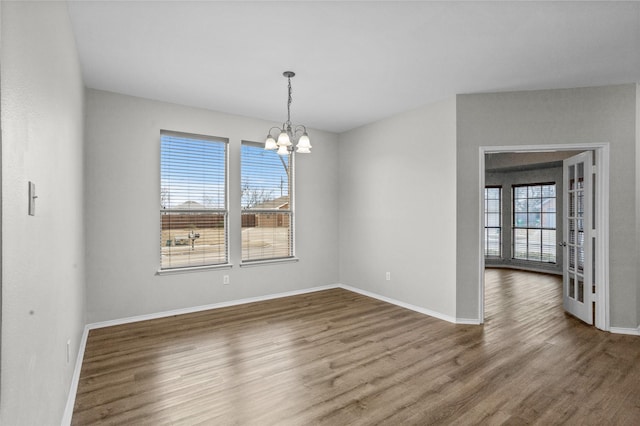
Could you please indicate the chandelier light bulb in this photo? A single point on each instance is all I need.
(283, 139)
(283, 150)
(270, 143)
(304, 144)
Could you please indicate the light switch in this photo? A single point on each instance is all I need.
(32, 199)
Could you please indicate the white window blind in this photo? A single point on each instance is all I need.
(193, 200)
(267, 203)
(534, 222)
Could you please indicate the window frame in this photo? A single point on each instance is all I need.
(541, 228)
(291, 257)
(499, 227)
(224, 211)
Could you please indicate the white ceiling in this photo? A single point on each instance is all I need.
(356, 62)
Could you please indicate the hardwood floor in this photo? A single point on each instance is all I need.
(335, 357)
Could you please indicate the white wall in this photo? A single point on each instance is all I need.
(568, 116)
(122, 208)
(43, 286)
(398, 207)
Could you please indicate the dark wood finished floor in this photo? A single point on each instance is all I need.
(335, 357)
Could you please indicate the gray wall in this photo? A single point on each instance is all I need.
(397, 204)
(506, 179)
(569, 116)
(122, 208)
(43, 288)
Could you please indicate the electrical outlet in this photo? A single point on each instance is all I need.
(388, 276)
(225, 280)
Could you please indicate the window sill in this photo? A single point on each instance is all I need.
(192, 269)
(534, 262)
(268, 262)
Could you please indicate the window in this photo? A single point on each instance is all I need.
(492, 221)
(193, 200)
(534, 222)
(267, 203)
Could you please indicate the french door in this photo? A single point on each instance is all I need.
(578, 244)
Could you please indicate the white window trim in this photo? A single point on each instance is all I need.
(292, 214)
(227, 264)
(189, 269)
(266, 262)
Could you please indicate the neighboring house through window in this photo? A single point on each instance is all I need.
(534, 222)
(267, 203)
(493, 221)
(193, 200)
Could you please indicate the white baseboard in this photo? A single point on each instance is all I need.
(468, 321)
(200, 308)
(75, 379)
(622, 330)
(415, 308)
(193, 309)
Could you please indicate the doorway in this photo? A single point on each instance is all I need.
(600, 210)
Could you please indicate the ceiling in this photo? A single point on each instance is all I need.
(356, 62)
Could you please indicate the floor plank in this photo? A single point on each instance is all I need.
(336, 357)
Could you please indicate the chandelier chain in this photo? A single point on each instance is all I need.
(289, 103)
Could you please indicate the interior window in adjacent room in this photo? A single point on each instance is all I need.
(493, 221)
(534, 222)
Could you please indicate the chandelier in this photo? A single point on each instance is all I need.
(289, 133)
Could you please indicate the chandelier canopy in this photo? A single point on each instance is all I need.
(289, 134)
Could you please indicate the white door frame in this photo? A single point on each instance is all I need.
(601, 152)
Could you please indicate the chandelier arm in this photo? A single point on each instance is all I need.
(271, 129)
